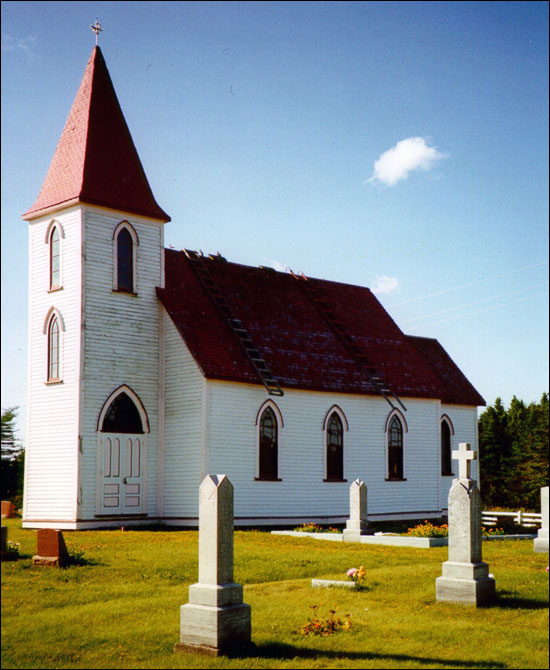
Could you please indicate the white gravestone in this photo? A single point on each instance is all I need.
(465, 578)
(215, 621)
(541, 541)
(356, 525)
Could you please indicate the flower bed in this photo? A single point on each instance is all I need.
(315, 528)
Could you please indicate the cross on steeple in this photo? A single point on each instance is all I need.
(464, 455)
(96, 27)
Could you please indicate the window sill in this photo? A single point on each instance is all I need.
(52, 382)
(267, 479)
(53, 289)
(396, 479)
(119, 290)
(334, 480)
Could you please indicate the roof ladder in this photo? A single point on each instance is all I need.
(347, 340)
(199, 265)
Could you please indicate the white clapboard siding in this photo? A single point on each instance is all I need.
(184, 386)
(121, 343)
(464, 420)
(233, 409)
(51, 449)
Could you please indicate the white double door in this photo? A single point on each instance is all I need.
(121, 473)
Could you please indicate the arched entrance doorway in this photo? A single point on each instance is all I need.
(122, 432)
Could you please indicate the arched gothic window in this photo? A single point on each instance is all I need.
(55, 258)
(122, 417)
(53, 350)
(335, 448)
(125, 261)
(268, 445)
(395, 449)
(446, 467)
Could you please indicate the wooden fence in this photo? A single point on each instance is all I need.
(528, 519)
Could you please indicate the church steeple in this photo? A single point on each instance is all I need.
(95, 161)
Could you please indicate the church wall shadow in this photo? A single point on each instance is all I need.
(279, 650)
(510, 600)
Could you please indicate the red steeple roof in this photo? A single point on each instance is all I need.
(95, 161)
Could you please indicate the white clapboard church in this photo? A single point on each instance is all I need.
(151, 367)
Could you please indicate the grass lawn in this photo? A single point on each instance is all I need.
(120, 607)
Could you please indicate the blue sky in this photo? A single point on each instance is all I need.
(397, 145)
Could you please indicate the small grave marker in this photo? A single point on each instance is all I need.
(51, 548)
(357, 523)
(541, 541)
(5, 553)
(8, 509)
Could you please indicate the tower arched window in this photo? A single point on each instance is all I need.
(55, 258)
(446, 463)
(125, 261)
(335, 448)
(268, 465)
(54, 342)
(395, 449)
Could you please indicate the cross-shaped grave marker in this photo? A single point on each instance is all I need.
(464, 455)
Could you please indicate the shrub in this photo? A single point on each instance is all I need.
(492, 531)
(315, 528)
(427, 529)
(324, 626)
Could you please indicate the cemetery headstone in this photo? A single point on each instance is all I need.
(541, 541)
(357, 523)
(7, 509)
(51, 549)
(215, 621)
(5, 553)
(465, 577)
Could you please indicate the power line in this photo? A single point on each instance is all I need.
(473, 283)
(477, 302)
(478, 311)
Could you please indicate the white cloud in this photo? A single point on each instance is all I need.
(384, 284)
(406, 156)
(25, 44)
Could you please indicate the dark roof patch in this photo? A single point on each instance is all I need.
(299, 346)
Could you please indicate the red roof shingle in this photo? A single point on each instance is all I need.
(95, 161)
(296, 341)
(453, 382)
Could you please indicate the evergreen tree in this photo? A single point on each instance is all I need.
(513, 453)
(534, 465)
(12, 461)
(516, 427)
(493, 453)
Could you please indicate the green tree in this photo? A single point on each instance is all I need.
(13, 458)
(533, 468)
(494, 449)
(513, 453)
(516, 428)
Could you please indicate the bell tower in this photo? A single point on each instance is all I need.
(96, 257)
